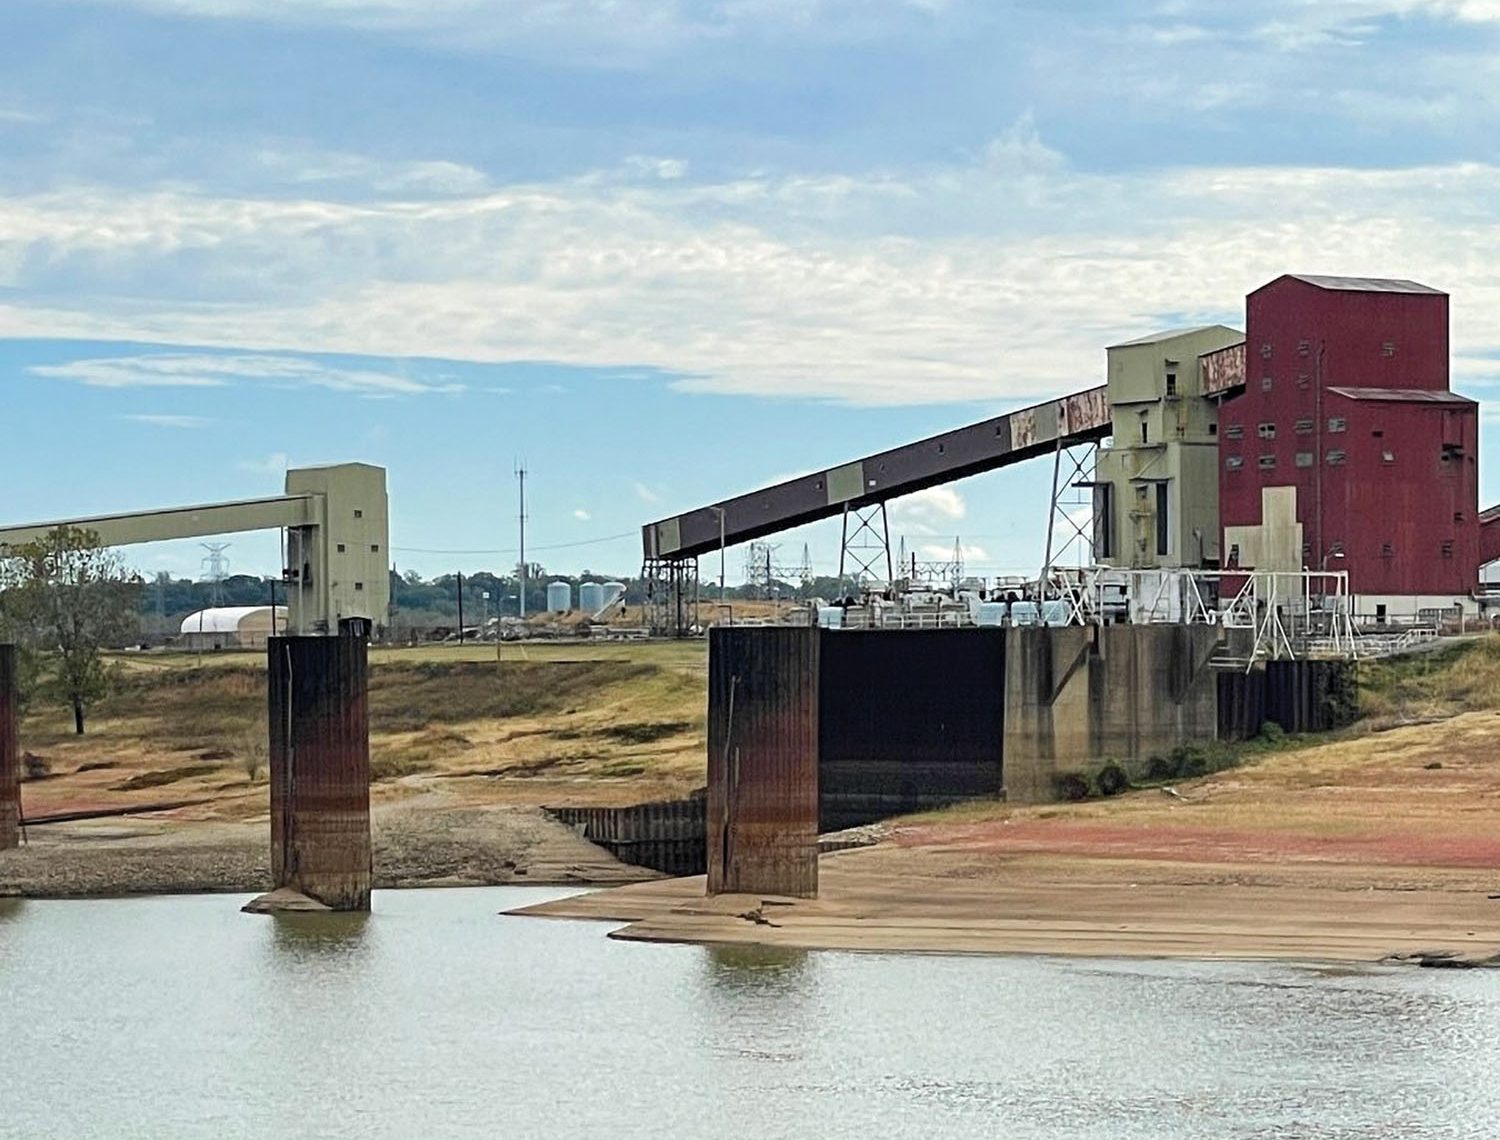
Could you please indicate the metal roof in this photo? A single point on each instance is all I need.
(1173, 334)
(1489, 515)
(226, 619)
(1402, 395)
(1367, 284)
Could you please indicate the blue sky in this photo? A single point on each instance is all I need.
(670, 250)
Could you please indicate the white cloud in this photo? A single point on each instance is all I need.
(167, 420)
(614, 33)
(646, 494)
(934, 511)
(274, 464)
(582, 515)
(936, 552)
(1001, 279)
(202, 370)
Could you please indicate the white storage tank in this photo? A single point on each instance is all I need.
(591, 597)
(830, 617)
(559, 597)
(613, 592)
(1055, 612)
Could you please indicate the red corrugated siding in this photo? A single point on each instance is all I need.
(1304, 340)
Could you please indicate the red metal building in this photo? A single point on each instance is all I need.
(1346, 400)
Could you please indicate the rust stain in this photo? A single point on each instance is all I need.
(10, 752)
(320, 768)
(763, 762)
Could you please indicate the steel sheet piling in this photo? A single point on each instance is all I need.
(763, 761)
(320, 768)
(10, 752)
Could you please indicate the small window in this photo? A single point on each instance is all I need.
(1234, 431)
(1304, 380)
(940, 449)
(1304, 347)
(1386, 550)
(1265, 351)
(1388, 348)
(341, 548)
(359, 585)
(1265, 383)
(1336, 457)
(1213, 429)
(1380, 612)
(1266, 431)
(374, 548)
(1268, 461)
(1234, 552)
(1337, 423)
(1458, 516)
(1448, 549)
(1335, 549)
(1145, 431)
(1378, 433)
(359, 514)
(1306, 553)
(1171, 383)
(1234, 462)
(1303, 427)
(1387, 456)
(1304, 459)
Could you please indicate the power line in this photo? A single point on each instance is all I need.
(513, 550)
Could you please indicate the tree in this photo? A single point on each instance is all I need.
(65, 597)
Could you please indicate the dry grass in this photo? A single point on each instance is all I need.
(553, 726)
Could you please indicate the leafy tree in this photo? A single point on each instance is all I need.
(66, 597)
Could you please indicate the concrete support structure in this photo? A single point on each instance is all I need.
(10, 752)
(1078, 697)
(320, 768)
(763, 761)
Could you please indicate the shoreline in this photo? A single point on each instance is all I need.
(1084, 908)
(414, 846)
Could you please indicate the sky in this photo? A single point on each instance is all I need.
(666, 251)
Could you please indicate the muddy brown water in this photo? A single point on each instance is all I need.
(435, 1016)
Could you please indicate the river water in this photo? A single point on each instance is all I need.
(179, 1016)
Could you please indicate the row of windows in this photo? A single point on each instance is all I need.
(1304, 348)
(1335, 457)
(1336, 550)
(1301, 427)
(374, 548)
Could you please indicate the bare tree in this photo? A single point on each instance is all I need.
(66, 598)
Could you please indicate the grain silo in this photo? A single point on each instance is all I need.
(559, 597)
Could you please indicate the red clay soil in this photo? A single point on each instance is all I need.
(1178, 842)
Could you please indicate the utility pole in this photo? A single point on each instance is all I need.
(460, 609)
(720, 512)
(521, 479)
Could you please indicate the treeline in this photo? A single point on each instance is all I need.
(418, 602)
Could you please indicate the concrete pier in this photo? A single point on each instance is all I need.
(763, 762)
(10, 752)
(320, 768)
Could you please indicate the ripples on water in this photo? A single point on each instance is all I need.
(435, 1017)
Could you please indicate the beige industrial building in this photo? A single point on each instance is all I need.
(1156, 496)
(232, 627)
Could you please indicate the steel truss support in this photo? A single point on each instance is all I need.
(865, 555)
(671, 596)
(1070, 529)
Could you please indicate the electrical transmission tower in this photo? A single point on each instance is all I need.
(765, 572)
(215, 570)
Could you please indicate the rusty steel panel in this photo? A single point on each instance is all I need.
(971, 450)
(320, 768)
(763, 761)
(908, 720)
(1084, 411)
(10, 751)
(1224, 370)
